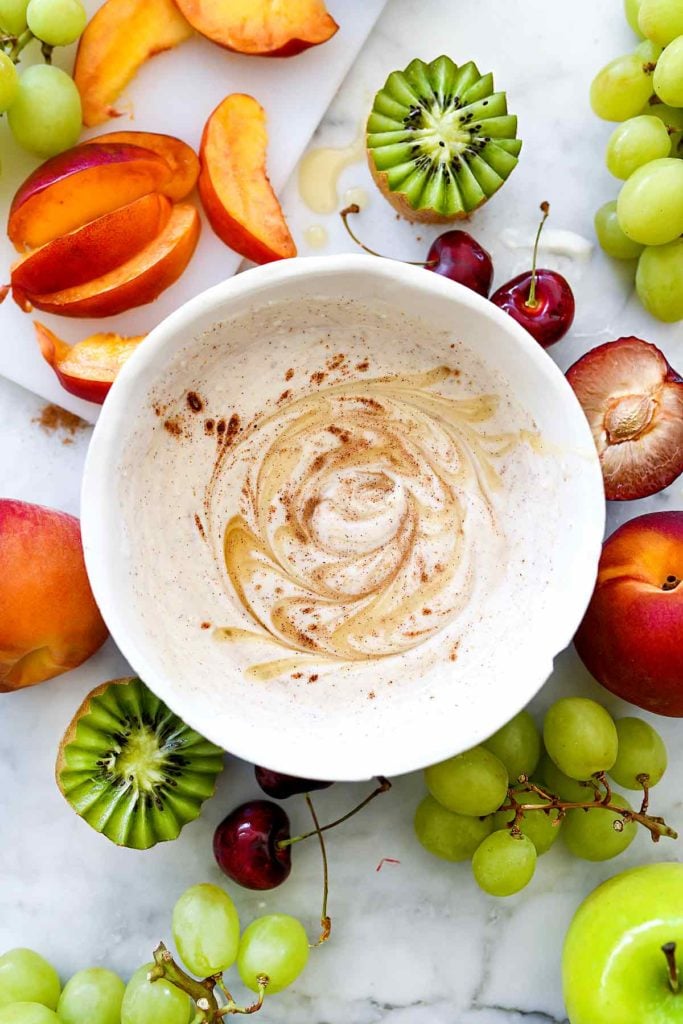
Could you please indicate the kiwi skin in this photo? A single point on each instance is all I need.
(132, 816)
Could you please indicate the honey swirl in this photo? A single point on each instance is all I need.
(366, 509)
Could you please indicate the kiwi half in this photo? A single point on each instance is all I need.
(440, 141)
(132, 769)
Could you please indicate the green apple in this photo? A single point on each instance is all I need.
(613, 967)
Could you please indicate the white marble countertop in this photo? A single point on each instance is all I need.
(415, 943)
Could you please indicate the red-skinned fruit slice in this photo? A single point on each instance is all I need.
(134, 283)
(77, 186)
(94, 249)
(633, 401)
(88, 368)
(261, 28)
(180, 157)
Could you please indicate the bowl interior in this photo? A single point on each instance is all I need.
(152, 542)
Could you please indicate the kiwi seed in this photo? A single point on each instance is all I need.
(132, 769)
(440, 141)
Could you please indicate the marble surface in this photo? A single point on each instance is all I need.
(415, 942)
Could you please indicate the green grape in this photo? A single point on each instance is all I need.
(621, 89)
(612, 239)
(9, 82)
(27, 1013)
(449, 835)
(473, 783)
(668, 76)
(659, 281)
(26, 977)
(631, 10)
(46, 114)
(275, 946)
(56, 22)
(580, 737)
(153, 1002)
(650, 203)
(504, 863)
(93, 995)
(649, 52)
(558, 784)
(636, 142)
(517, 745)
(591, 834)
(13, 16)
(537, 825)
(661, 20)
(672, 117)
(641, 751)
(206, 930)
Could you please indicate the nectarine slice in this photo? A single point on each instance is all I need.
(633, 401)
(77, 186)
(92, 250)
(121, 36)
(180, 157)
(238, 198)
(136, 282)
(266, 28)
(88, 368)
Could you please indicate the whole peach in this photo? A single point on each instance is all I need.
(631, 637)
(49, 622)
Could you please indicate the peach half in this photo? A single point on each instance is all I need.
(49, 622)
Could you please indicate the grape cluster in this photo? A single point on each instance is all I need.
(505, 803)
(270, 954)
(644, 91)
(42, 103)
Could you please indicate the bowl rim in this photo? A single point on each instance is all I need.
(98, 481)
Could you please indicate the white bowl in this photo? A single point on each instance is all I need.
(407, 727)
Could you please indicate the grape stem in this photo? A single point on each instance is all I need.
(203, 993)
(325, 919)
(18, 44)
(355, 208)
(531, 302)
(383, 787)
(657, 827)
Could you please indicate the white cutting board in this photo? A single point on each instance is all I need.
(175, 93)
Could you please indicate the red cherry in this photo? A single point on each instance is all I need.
(281, 786)
(459, 257)
(539, 300)
(245, 845)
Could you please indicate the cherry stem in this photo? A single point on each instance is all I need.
(355, 208)
(325, 920)
(669, 951)
(657, 827)
(202, 992)
(531, 301)
(384, 787)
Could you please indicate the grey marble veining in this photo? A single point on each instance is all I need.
(416, 942)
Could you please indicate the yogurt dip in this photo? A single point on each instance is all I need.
(337, 503)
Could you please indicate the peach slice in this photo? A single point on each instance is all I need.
(265, 28)
(49, 622)
(238, 198)
(633, 401)
(93, 250)
(180, 157)
(77, 186)
(134, 283)
(88, 368)
(121, 36)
